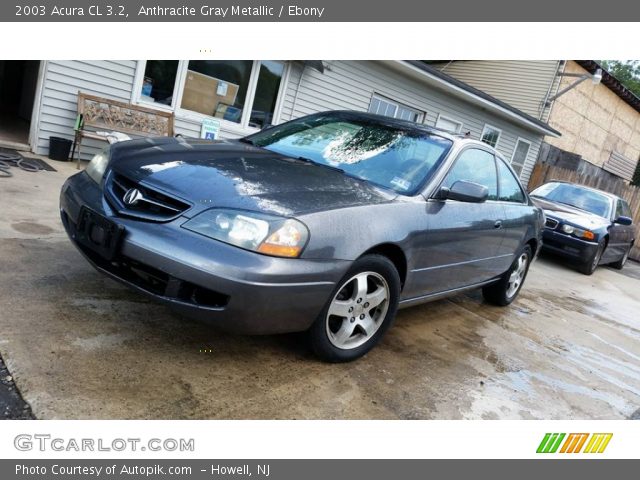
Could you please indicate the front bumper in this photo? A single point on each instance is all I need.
(568, 246)
(234, 289)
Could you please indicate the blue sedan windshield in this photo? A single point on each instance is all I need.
(401, 159)
(575, 196)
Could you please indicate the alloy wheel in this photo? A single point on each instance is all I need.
(358, 310)
(596, 258)
(517, 276)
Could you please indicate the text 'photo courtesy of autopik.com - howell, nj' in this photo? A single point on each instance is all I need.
(414, 253)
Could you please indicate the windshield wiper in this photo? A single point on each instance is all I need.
(569, 205)
(313, 162)
(246, 140)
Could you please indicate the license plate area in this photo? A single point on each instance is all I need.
(98, 233)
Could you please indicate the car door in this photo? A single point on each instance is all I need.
(629, 229)
(620, 236)
(517, 215)
(463, 238)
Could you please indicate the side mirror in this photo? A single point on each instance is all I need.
(622, 220)
(464, 191)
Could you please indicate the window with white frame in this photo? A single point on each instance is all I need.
(491, 135)
(520, 154)
(448, 124)
(244, 92)
(384, 106)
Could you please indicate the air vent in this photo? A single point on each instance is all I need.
(551, 223)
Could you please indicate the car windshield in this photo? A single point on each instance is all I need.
(575, 196)
(394, 157)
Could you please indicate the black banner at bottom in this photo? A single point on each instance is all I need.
(129, 469)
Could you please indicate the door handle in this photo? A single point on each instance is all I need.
(498, 224)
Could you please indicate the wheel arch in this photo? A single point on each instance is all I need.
(395, 254)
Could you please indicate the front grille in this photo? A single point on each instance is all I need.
(150, 204)
(551, 223)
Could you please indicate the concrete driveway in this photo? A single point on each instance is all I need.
(81, 346)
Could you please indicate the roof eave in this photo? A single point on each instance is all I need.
(485, 100)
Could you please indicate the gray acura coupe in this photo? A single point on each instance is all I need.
(328, 223)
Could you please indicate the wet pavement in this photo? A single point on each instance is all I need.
(79, 345)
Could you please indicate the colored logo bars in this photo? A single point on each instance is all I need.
(574, 443)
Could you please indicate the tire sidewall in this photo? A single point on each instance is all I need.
(588, 268)
(621, 263)
(496, 293)
(320, 342)
(526, 249)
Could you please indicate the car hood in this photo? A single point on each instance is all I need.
(233, 174)
(568, 214)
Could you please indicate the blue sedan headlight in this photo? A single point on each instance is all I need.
(578, 232)
(268, 234)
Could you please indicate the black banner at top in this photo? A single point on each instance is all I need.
(318, 11)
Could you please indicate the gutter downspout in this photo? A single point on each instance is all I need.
(562, 64)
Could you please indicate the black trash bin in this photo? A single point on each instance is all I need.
(59, 148)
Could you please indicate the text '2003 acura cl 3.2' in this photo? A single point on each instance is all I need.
(327, 223)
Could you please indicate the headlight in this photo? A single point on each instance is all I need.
(268, 234)
(578, 232)
(98, 165)
(568, 229)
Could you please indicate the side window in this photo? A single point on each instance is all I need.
(476, 166)
(510, 190)
(618, 208)
(622, 208)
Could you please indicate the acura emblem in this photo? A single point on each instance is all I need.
(132, 196)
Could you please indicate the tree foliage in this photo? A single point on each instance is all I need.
(626, 71)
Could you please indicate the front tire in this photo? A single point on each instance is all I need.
(592, 263)
(359, 311)
(620, 263)
(505, 290)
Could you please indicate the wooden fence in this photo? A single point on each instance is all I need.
(544, 172)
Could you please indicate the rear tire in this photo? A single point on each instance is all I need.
(592, 263)
(505, 290)
(620, 263)
(360, 310)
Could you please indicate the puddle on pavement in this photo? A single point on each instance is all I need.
(32, 228)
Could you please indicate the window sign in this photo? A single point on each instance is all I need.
(210, 129)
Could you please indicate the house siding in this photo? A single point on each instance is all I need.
(351, 84)
(524, 84)
(59, 100)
